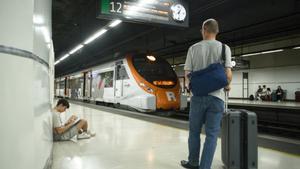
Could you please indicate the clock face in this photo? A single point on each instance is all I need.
(233, 63)
(179, 12)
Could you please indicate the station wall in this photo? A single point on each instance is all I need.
(287, 77)
(272, 70)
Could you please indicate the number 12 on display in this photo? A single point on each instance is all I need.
(116, 7)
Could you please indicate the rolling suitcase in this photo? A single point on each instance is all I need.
(239, 139)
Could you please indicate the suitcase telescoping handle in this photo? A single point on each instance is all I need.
(226, 101)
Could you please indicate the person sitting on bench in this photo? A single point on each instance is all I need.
(258, 92)
(279, 94)
(268, 96)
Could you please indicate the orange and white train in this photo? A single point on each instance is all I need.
(145, 83)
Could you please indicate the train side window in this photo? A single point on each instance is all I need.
(121, 73)
(108, 77)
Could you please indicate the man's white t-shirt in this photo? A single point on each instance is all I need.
(58, 119)
(204, 53)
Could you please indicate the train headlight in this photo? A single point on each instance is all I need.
(151, 58)
(147, 88)
(142, 84)
(150, 90)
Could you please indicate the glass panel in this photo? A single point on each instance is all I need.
(158, 70)
(108, 78)
(121, 73)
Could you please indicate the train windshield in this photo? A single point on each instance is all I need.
(155, 70)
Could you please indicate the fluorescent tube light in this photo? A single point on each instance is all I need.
(76, 49)
(261, 53)
(87, 41)
(56, 62)
(298, 47)
(64, 57)
(115, 23)
(95, 36)
(272, 51)
(251, 54)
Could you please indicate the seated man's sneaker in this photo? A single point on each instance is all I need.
(186, 164)
(91, 133)
(74, 139)
(83, 135)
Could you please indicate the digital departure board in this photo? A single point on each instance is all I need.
(168, 12)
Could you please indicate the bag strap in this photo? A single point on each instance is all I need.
(223, 53)
(226, 101)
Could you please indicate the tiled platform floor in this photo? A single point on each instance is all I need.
(125, 143)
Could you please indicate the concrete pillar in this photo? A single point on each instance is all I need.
(26, 89)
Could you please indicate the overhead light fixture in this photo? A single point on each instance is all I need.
(64, 57)
(95, 36)
(298, 47)
(151, 58)
(87, 41)
(76, 49)
(261, 53)
(56, 62)
(272, 51)
(115, 23)
(251, 54)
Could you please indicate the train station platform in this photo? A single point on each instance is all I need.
(279, 118)
(267, 104)
(124, 142)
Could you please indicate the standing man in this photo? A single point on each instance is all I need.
(206, 110)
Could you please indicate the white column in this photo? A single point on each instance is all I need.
(26, 77)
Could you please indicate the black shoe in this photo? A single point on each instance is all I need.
(186, 164)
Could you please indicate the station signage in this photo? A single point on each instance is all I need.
(166, 12)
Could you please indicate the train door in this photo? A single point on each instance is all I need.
(122, 82)
(55, 87)
(66, 94)
(119, 84)
(81, 87)
(87, 84)
(62, 87)
(245, 85)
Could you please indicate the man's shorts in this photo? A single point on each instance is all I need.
(67, 135)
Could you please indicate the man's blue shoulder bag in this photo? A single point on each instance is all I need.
(212, 78)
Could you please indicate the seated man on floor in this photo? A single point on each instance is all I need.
(72, 129)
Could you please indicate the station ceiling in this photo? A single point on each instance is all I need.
(241, 22)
